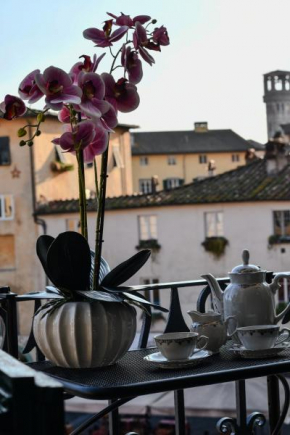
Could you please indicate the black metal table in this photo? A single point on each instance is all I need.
(133, 376)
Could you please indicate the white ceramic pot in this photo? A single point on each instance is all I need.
(84, 334)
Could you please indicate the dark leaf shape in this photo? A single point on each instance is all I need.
(100, 296)
(142, 300)
(42, 246)
(126, 270)
(134, 297)
(69, 261)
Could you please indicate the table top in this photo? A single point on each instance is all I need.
(133, 376)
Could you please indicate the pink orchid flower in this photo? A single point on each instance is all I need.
(87, 65)
(105, 37)
(121, 94)
(125, 20)
(92, 139)
(78, 139)
(132, 65)
(141, 41)
(58, 88)
(97, 146)
(28, 89)
(160, 36)
(93, 88)
(64, 115)
(109, 119)
(12, 107)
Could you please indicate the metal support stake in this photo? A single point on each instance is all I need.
(273, 402)
(241, 407)
(179, 412)
(114, 421)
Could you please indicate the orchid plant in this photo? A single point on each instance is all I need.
(88, 104)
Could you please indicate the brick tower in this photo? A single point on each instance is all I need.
(277, 99)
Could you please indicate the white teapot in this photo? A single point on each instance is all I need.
(248, 297)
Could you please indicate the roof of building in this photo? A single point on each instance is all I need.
(256, 145)
(246, 184)
(176, 142)
(51, 114)
(277, 73)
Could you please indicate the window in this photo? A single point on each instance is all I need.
(147, 227)
(281, 223)
(170, 183)
(6, 207)
(118, 161)
(144, 161)
(5, 158)
(72, 225)
(171, 160)
(235, 158)
(145, 185)
(203, 158)
(7, 252)
(214, 224)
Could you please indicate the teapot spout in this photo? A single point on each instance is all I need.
(217, 293)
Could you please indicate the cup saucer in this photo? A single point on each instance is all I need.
(259, 353)
(159, 360)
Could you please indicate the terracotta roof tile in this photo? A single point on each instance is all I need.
(245, 184)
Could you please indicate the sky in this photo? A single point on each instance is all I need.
(211, 71)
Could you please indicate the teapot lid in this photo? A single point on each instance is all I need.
(246, 267)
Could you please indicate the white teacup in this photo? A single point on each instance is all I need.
(259, 337)
(179, 345)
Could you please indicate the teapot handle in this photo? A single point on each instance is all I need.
(274, 287)
(275, 284)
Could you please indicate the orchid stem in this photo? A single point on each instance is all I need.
(95, 283)
(101, 214)
(82, 194)
(82, 189)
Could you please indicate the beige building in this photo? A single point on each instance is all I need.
(247, 208)
(38, 175)
(164, 160)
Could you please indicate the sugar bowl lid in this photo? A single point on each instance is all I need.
(246, 267)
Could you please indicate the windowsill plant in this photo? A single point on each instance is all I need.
(215, 245)
(88, 104)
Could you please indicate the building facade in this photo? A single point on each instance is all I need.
(165, 160)
(249, 208)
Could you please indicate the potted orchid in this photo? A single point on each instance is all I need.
(90, 320)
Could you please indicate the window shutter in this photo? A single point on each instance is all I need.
(165, 184)
(181, 181)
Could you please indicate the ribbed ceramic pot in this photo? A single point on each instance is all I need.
(86, 334)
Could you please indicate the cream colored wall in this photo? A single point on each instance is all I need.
(187, 167)
(55, 186)
(180, 233)
(27, 275)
